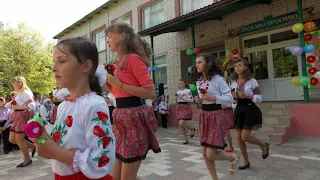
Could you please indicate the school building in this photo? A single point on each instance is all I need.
(259, 29)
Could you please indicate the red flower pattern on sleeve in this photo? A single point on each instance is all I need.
(256, 90)
(69, 121)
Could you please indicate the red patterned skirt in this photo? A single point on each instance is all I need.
(229, 118)
(54, 114)
(184, 112)
(79, 176)
(135, 129)
(212, 127)
(19, 120)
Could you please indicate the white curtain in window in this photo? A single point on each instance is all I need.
(100, 41)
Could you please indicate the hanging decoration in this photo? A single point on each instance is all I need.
(155, 68)
(314, 81)
(308, 49)
(307, 37)
(297, 51)
(189, 52)
(295, 81)
(230, 57)
(297, 28)
(311, 59)
(304, 80)
(196, 51)
(312, 70)
(235, 51)
(309, 26)
(192, 87)
(190, 69)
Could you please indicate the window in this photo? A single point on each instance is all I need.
(161, 74)
(100, 40)
(126, 20)
(192, 5)
(153, 15)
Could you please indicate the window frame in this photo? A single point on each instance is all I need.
(143, 26)
(164, 65)
(192, 6)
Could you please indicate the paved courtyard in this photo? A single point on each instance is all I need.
(184, 162)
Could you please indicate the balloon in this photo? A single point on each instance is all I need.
(304, 81)
(308, 49)
(235, 51)
(190, 69)
(189, 52)
(311, 59)
(196, 51)
(155, 68)
(230, 57)
(297, 27)
(295, 81)
(193, 88)
(307, 37)
(313, 88)
(315, 41)
(314, 81)
(312, 70)
(296, 51)
(309, 26)
(149, 69)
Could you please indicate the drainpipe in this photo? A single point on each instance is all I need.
(152, 58)
(303, 55)
(193, 39)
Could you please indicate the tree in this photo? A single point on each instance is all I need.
(24, 52)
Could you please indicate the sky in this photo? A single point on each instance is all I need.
(49, 17)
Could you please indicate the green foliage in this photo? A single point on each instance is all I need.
(23, 52)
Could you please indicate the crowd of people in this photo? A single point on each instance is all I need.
(106, 137)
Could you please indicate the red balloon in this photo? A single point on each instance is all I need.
(196, 51)
(311, 59)
(307, 37)
(235, 51)
(314, 81)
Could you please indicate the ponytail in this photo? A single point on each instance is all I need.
(94, 85)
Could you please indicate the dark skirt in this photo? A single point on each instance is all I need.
(19, 120)
(247, 115)
(184, 111)
(135, 129)
(213, 127)
(111, 108)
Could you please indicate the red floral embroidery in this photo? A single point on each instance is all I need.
(311, 59)
(233, 90)
(105, 142)
(103, 116)
(14, 102)
(314, 81)
(98, 131)
(57, 137)
(312, 70)
(103, 161)
(203, 91)
(69, 121)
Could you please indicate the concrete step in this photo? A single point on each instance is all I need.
(275, 105)
(271, 138)
(280, 120)
(276, 112)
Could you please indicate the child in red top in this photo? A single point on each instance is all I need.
(135, 124)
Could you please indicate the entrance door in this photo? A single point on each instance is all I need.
(273, 65)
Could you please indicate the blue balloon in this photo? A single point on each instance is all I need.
(155, 68)
(190, 69)
(308, 49)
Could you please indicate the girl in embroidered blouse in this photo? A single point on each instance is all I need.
(135, 124)
(184, 111)
(23, 105)
(83, 145)
(59, 95)
(213, 92)
(247, 116)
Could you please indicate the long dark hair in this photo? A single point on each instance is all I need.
(132, 42)
(84, 49)
(247, 73)
(213, 67)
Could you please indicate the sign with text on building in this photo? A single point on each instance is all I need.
(268, 23)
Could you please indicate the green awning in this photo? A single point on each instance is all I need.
(212, 12)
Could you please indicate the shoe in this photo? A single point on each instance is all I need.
(194, 132)
(186, 142)
(264, 156)
(33, 152)
(230, 150)
(244, 167)
(24, 165)
(5, 152)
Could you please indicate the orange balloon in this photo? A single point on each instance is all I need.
(309, 26)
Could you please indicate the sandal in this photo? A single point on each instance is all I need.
(186, 142)
(233, 166)
(194, 132)
(230, 150)
(264, 156)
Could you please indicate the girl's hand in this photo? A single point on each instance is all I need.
(208, 97)
(242, 95)
(197, 99)
(114, 81)
(224, 106)
(48, 149)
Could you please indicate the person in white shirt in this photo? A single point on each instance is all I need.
(46, 110)
(111, 101)
(59, 95)
(163, 108)
(213, 92)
